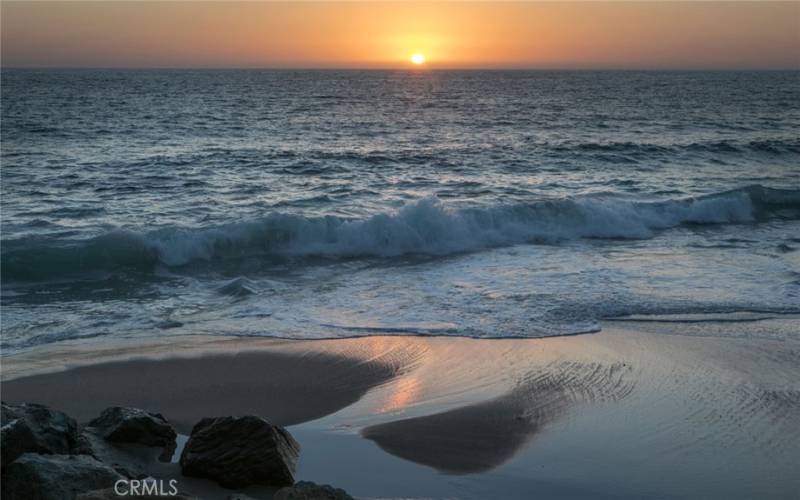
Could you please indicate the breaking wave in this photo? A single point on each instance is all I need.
(427, 227)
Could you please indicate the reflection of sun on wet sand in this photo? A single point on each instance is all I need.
(620, 405)
(481, 436)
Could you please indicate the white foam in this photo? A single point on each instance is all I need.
(430, 227)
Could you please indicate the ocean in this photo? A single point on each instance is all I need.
(324, 204)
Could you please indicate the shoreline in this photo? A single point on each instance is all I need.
(571, 416)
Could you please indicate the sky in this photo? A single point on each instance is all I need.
(573, 35)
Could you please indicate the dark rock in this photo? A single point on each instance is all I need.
(240, 451)
(36, 429)
(55, 477)
(306, 490)
(239, 496)
(132, 425)
(91, 443)
(16, 437)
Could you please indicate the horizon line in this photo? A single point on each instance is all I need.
(397, 68)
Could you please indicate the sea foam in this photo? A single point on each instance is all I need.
(425, 227)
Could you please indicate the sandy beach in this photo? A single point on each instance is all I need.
(623, 413)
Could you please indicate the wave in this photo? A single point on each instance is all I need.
(427, 227)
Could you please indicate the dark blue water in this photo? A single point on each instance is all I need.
(336, 203)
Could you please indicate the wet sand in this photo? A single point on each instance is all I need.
(284, 388)
(624, 413)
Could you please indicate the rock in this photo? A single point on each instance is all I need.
(238, 496)
(55, 477)
(92, 443)
(106, 494)
(36, 429)
(240, 451)
(132, 425)
(16, 437)
(306, 490)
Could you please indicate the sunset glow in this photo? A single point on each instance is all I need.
(385, 34)
(418, 59)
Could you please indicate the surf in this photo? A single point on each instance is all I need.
(427, 227)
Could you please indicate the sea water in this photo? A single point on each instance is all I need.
(318, 204)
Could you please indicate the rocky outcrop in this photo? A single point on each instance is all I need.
(91, 442)
(47, 457)
(306, 490)
(36, 429)
(240, 451)
(55, 477)
(132, 425)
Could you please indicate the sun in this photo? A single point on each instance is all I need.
(418, 59)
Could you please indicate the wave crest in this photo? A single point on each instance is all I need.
(427, 227)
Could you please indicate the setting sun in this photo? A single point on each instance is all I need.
(418, 59)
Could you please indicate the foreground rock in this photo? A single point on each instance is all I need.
(36, 429)
(240, 451)
(306, 490)
(92, 443)
(132, 425)
(55, 477)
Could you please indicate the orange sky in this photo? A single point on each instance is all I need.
(369, 34)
